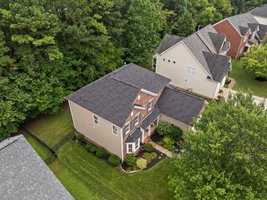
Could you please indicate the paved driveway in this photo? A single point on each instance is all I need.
(257, 100)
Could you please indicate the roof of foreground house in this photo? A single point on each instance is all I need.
(260, 11)
(24, 175)
(113, 95)
(243, 22)
(205, 40)
(179, 105)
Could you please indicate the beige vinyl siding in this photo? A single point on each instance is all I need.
(177, 123)
(177, 71)
(100, 134)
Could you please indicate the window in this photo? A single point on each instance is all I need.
(132, 113)
(127, 128)
(169, 60)
(174, 62)
(95, 119)
(191, 70)
(138, 97)
(136, 144)
(130, 148)
(149, 105)
(163, 59)
(114, 130)
(136, 120)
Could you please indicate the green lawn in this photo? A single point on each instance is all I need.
(87, 177)
(245, 81)
(52, 128)
(43, 152)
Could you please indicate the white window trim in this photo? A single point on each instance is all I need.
(191, 70)
(150, 101)
(138, 97)
(138, 118)
(133, 146)
(96, 120)
(112, 130)
(128, 124)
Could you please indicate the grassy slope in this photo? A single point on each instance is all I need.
(87, 177)
(43, 152)
(52, 129)
(246, 80)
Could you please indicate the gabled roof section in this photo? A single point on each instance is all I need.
(180, 106)
(242, 21)
(243, 30)
(260, 11)
(141, 78)
(168, 41)
(24, 175)
(263, 31)
(219, 65)
(112, 96)
(217, 40)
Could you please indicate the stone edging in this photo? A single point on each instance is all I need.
(130, 172)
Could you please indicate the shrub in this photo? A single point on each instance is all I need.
(168, 140)
(141, 163)
(148, 147)
(171, 148)
(93, 149)
(88, 147)
(101, 152)
(165, 128)
(114, 160)
(149, 157)
(79, 137)
(130, 160)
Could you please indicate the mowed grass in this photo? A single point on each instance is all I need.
(51, 129)
(245, 81)
(87, 177)
(43, 152)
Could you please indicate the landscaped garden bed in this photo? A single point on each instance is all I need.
(99, 152)
(146, 158)
(168, 136)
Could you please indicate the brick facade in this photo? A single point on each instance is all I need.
(232, 36)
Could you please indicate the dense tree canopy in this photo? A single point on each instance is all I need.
(226, 157)
(256, 61)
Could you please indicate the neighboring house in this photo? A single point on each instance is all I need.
(24, 175)
(122, 109)
(242, 31)
(196, 63)
(260, 14)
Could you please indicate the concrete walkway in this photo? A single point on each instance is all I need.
(161, 149)
(257, 100)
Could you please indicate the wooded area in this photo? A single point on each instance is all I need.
(51, 48)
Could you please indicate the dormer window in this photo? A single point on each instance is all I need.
(95, 119)
(136, 120)
(149, 105)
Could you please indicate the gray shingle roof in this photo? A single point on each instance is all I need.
(168, 41)
(25, 176)
(217, 40)
(260, 11)
(150, 118)
(179, 105)
(218, 64)
(134, 136)
(263, 31)
(242, 21)
(113, 95)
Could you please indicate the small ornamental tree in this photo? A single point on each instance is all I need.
(226, 157)
(256, 61)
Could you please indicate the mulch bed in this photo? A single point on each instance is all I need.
(160, 156)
